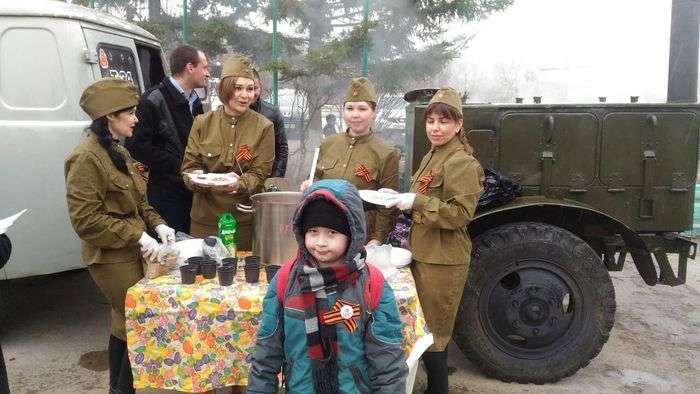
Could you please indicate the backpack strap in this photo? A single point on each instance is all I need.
(373, 287)
(283, 277)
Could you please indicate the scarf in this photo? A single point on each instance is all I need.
(322, 345)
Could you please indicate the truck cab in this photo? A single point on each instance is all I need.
(49, 52)
(600, 182)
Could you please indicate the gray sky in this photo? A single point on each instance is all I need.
(576, 50)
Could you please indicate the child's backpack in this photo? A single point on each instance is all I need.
(372, 293)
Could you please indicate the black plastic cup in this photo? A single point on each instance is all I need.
(232, 261)
(252, 261)
(271, 271)
(252, 274)
(197, 262)
(188, 273)
(208, 269)
(226, 273)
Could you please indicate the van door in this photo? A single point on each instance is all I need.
(113, 55)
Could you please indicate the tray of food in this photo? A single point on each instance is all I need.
(213, 179)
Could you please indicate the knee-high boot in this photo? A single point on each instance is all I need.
(436, 369)
(120, 378)
(115, 351)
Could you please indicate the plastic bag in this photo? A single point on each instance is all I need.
(214, 248)
(380, 257)
(163, 262)
(498, 190)
(399, 235)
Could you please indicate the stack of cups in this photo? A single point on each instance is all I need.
(227, 271)
(270, 271)
(197, 262)
(208, 268)
(252, 269)
(188, 273)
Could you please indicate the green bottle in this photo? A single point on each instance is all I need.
(227, 232)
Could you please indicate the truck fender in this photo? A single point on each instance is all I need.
(580, 219)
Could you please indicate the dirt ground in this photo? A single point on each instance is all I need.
(54, 336)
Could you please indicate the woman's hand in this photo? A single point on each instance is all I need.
(402, 201)
(305, 185)
(195, 186)
(165, 233)
(149, 246)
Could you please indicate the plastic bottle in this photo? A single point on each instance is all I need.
(227, 232)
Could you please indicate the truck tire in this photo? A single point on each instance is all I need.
(538, 304)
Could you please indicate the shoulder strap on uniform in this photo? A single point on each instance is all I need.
(283, 277)
(373, 287)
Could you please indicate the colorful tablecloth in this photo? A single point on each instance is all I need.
(199, 337)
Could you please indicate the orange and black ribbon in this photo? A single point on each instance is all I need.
(363, 173)
(244, 153)
(142, 170)
(425, 181)
(334, 316)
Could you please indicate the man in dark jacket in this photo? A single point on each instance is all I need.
(165, 113)
(279, 166)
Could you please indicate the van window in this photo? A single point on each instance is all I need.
(151, 65)
(117, 62)
(29, 58)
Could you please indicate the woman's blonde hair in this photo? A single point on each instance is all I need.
(446, 111)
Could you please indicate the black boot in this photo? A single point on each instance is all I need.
(120, 378)
(115, 351)
(436, 369)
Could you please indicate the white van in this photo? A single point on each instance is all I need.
(49, 52)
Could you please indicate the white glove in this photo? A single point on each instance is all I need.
(165, 233)
(386, 190)
(304, 185)
(149, 246)
(402, 201)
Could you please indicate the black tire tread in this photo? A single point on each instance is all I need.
(503, 236)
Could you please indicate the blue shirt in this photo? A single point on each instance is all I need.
(193, 95)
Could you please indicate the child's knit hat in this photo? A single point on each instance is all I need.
(323, 213)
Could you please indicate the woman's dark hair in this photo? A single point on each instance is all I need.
(99, 127)
(446, 111)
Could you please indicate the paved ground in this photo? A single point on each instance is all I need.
(54, 334)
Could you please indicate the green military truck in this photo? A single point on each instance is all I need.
(599, 182)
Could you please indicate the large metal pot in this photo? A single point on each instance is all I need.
(273, 239)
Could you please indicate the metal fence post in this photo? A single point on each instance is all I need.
(184, 21)
(365, 47)
(274, 53)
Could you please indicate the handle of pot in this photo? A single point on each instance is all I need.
(245, 208)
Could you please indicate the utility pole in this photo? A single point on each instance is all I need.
(365, 47)
(184, 21)
(274, 53)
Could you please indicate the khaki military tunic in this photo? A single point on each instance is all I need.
(109, 212)
(221, 143)
(448, 184)
(344, 157)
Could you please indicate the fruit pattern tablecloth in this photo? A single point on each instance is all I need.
(200, 337)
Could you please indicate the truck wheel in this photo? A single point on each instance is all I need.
(538, 305)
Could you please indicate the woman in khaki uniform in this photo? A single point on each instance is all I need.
(108, 209)
(442, 199)
(361, 158)
(232, 139)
